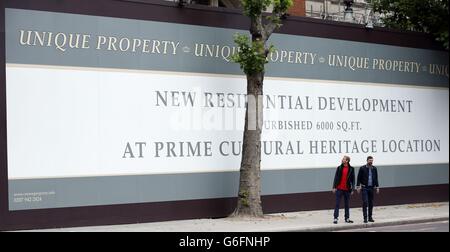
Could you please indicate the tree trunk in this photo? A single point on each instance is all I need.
(249, 197)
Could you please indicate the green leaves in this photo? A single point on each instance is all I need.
(281, 6)
(253, 8)
(251, 55)
(430, 16)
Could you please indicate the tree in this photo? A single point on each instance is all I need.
(252, 58)
(430, 16)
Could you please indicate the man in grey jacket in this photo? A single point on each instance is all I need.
(368, 182)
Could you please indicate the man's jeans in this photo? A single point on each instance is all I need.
(367, 198)
(339, 194)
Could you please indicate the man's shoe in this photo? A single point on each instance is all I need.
(335, 221)
(348, 221)
(371, 220)
(365, 221)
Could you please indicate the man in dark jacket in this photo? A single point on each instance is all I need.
(343, 185)
(368, 182)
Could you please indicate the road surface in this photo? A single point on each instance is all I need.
(440, 226)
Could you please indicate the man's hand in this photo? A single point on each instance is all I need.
(358, 189)
(334, 190)
(352, 192)
(378, 190)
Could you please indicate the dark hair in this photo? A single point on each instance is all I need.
(369, 157)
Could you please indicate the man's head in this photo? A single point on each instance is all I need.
(369, 160)
(345, 160)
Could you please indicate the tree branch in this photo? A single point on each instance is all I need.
(274, 23)
(257, 28)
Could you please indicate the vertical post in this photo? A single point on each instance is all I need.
(214, 3)
(348, 13)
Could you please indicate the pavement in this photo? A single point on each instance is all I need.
(316, 221)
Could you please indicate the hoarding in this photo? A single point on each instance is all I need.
(105, 111)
